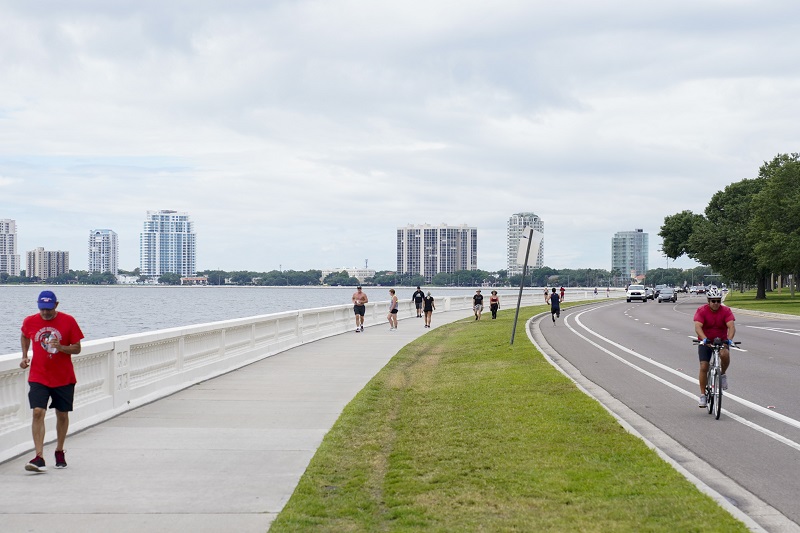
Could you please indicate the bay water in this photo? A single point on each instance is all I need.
(113, 310)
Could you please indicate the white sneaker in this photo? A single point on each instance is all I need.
(703, 402)
(723, 380)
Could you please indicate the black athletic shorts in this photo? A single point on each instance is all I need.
(61, 397)
(393, 311)
(704, 352)
(359, 309)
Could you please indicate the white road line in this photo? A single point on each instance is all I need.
(777, 330)
(777, 416)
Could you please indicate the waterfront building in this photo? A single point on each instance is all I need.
(516, 224)
(167, 245)
(103, 251)
(360, 274)
(428, 250)
(44, 264)
(629, 252)
(9, 256)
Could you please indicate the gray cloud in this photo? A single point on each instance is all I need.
(304, 133)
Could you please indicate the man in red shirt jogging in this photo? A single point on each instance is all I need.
(711, 321)
(55, 338)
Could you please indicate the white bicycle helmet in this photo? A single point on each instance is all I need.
(713, 292)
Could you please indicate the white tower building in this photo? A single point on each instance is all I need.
(167, 245)
(103, 251)
(428, 250)
(516, 224)
(9, 256)
(629, 253)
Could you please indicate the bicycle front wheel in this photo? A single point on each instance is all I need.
(717, 395)
(710, 391)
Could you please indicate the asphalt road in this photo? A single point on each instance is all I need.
(642, 356)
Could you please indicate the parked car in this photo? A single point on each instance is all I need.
(667, 295)
(636, 292)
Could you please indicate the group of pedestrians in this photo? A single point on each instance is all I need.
(424, 304)
(477, 304)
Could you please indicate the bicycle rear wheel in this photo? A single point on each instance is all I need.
(717, 394)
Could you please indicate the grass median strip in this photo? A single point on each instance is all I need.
(462, 432)
(776, 302)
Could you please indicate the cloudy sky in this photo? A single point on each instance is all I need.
(301, 134)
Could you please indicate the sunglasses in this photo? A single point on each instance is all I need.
(715, 301)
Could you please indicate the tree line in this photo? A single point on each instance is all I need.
(538, 277)
(749, 232)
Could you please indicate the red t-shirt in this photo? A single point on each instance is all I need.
(714, 324)
(51, 369)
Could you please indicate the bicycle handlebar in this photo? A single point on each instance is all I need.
(716, 342)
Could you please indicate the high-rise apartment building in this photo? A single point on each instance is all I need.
(629, 251)
(167, 244)
(9, 256)
(516, 224)
(103, 251)
(428, 250)
(44, 264)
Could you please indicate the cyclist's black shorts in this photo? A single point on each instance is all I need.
(704, 352)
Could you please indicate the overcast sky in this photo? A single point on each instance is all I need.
(302, 134)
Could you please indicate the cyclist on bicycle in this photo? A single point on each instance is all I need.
(710, 321)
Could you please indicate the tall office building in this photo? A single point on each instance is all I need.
(44, 264)
(103, 251)
(428, 250)
(167, 245)
(9, 257)
(516, 224)
(629, 251)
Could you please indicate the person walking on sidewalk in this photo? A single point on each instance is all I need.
(417, 297)
(55, 338)
(428, 307)
(392, 316)
(555, 305)
(359, 307)
(477, 304)
(494, 304)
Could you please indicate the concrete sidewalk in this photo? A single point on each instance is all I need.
(223, 455)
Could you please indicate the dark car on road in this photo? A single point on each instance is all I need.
(667, 295)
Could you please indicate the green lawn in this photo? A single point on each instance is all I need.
(461, 432)
(775, 303)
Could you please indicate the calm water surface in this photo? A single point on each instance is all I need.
(109, 311)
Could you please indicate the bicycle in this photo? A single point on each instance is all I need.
(714, 377)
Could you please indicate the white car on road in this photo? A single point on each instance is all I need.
(636, 292)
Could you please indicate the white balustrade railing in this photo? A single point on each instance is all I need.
(120, 373)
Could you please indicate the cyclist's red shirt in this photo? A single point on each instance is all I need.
(714, 324)
(51, 369)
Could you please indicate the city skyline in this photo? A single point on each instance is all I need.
(181, 228)
(314, 129)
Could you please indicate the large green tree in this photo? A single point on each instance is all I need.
(676, 231)
(723, 240)
(775, 225)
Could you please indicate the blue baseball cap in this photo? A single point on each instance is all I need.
(47, 300)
